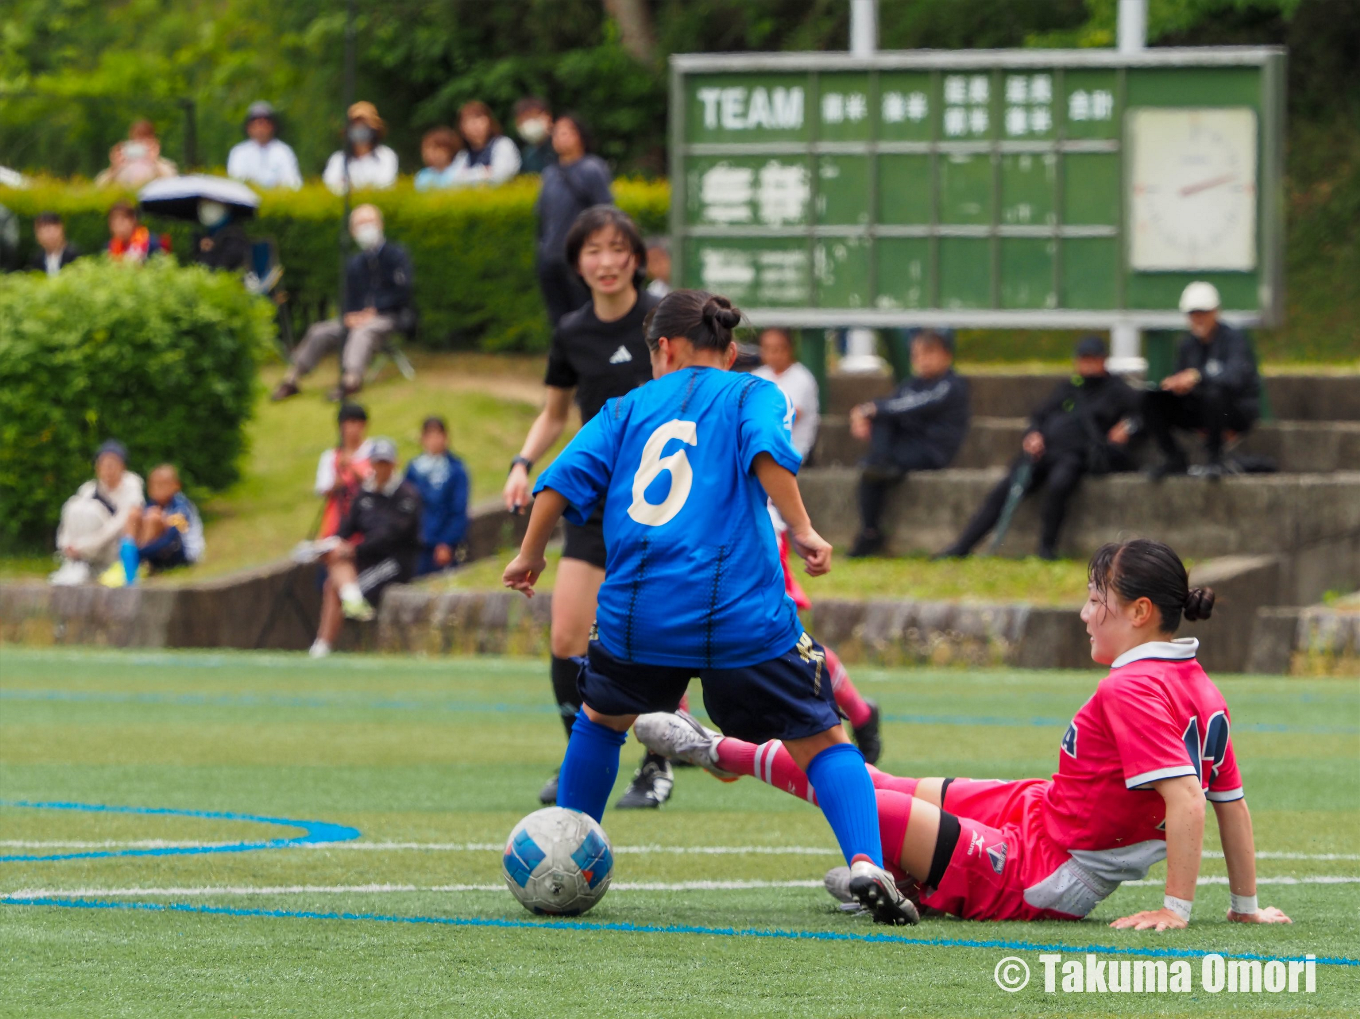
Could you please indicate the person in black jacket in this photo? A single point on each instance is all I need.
(1082, 428)
(223, 244)
(1215, 387)
(379, 545)
(919, 428)
(377, 303)
(54, 252)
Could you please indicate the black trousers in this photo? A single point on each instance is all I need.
(1058, 473)
(1205, 408)
(562, 289)
(891, 458)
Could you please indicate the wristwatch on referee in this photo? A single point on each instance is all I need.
(522, 461)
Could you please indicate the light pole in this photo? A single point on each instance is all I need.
(1126, 340)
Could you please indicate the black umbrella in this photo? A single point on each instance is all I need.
(178, 197)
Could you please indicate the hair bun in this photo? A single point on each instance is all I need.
(1199, 604)
(718, 311)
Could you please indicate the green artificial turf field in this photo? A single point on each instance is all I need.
(432, 762)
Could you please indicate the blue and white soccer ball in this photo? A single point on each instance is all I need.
(558, 862)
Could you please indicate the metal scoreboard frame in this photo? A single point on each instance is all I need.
(1192, 107)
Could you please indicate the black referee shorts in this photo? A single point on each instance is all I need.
(586, 542)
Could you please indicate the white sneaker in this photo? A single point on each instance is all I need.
(837, 882)
(319, 649)
(874, 889)
(71, 573)
(681, 736)
(357, 609)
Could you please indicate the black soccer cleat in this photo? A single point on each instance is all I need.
(651, 785)
(548, 794)
(874, 889)
(867, 736)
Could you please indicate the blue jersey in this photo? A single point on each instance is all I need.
(692, 574)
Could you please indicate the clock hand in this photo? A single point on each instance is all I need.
(1205, 185)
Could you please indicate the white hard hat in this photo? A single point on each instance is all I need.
(1199, 296)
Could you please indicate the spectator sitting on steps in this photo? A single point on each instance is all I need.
(380, 545)
(377, 303)
(95, 520)
(1082, 428)
(342, 471)
(54, 251)
(919, 428)
(168, 531)
(442, 482)
(1214, 388)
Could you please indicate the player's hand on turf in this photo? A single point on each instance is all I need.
(516, 490)
(814, 550)
(1151, 920)
(1267, 915)
(522, 574)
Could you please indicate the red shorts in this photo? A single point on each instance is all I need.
(1002, 852)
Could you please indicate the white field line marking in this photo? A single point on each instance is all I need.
(622, 886)
(496, 847)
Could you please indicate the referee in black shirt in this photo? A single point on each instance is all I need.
(598, 352)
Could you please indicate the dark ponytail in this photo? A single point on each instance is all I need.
(1149, 569)
(705, 319)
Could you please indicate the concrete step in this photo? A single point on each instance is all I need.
(1292, 397)
(1295, 446)
(1311, 519)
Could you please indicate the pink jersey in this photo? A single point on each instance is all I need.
(1156, 716)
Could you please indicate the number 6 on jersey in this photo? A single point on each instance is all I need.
(653, 464)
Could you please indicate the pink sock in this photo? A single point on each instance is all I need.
(882, 780)
(769, 762)
(894, 811)
(684, 701)
(847, 697)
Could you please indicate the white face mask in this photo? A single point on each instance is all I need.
(211, 213)
(368, 236)
(533, 130)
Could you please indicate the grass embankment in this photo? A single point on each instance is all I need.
(979, 579)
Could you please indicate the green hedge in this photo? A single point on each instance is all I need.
(473, 249)
(162, 357)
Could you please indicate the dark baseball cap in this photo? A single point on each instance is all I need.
(1092, 346)
(111, 446)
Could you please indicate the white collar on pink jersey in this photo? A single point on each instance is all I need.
(1178, 650)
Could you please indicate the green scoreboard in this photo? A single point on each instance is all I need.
(982, 188)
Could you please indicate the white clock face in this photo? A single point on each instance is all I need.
(1193, 198)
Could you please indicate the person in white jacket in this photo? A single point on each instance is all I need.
(263, 159)
(371, 163)
(95, 520)
(489, 157)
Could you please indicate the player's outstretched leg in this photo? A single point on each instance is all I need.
(847, 798)
(590, 766)
(863, 714)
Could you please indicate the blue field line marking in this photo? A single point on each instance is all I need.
(632, 928)
(312, 831)
(465, 707)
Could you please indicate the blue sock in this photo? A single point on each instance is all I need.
(846, 794)
(592, 764)
(127, 552)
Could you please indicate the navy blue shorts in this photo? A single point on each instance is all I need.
(165, 552)
(788, 697)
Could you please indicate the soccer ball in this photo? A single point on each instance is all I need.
(558, 862)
